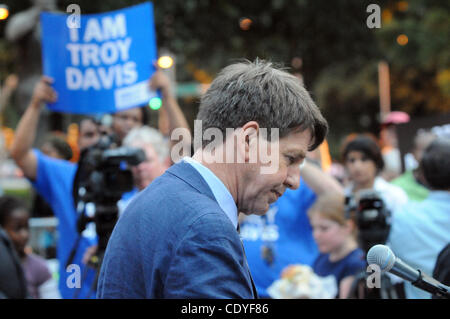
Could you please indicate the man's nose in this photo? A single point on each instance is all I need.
(293, 177)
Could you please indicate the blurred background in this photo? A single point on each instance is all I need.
(363, 78)
(328, 43)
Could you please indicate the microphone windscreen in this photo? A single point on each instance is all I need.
(382, 256)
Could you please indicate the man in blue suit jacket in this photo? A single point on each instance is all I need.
(179, 237)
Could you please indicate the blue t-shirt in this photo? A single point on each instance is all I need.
(54, 182)
(286, 231)
(350, 265)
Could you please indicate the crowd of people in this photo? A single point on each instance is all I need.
(298, 216)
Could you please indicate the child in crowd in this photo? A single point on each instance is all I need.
(14, 218)
(335, 235)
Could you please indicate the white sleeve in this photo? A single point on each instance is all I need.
(49, 290)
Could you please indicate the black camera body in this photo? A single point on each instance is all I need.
(373, 220)
(372, 217)
(102, 178)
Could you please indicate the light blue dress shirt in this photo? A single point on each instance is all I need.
(219, 190)
(419, 232)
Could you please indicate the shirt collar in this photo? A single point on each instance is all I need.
(220, 192)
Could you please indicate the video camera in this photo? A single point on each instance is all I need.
(101, 179)
(373, 219)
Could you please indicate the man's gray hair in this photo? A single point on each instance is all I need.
(257, 91)
(148, 135)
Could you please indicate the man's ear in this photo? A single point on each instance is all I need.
(249, 140)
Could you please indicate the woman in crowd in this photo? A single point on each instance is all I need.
(364, 162)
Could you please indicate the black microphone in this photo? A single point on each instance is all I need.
(383, 256)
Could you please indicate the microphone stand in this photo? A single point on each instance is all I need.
(431, 285)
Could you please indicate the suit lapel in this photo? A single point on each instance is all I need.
(255, 292)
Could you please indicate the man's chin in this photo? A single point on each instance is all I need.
(262, 210)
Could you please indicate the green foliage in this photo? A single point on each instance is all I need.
(339, 52)
(419, 70)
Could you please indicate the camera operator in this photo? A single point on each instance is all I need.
(157, 160)
(156, 149)
(53, 179)
(421, 230)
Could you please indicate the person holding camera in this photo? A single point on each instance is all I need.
(156, 150)
(157, 159)
(364, 162)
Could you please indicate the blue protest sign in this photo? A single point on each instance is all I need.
(103, 63)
